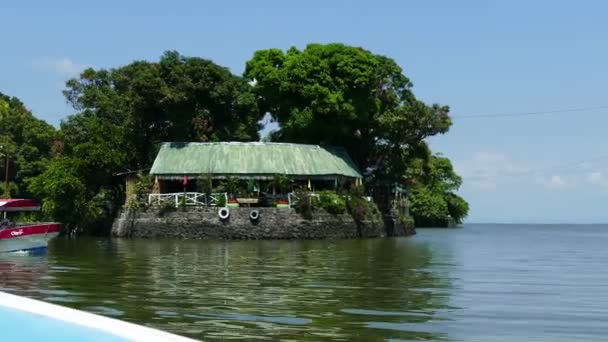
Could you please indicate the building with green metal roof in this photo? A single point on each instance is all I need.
(252, 160)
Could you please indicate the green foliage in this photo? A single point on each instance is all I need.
(143, 186)
(137, 200)
(27, 141)
(182, 203)
(428, 208)
(28, 217)
(331, 202)
(361, 209)
(457, 207)
(281, 183)
(342, 95)
(304, 204)
(407, 221)
(325, 94)
(175, 99)
(65, 195)
(434, 182)
(232, 185)
(123, 115)
(221, 202)
(251, 188)
(205, 184)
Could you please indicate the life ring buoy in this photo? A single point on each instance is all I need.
(254, 215)
(223, 213)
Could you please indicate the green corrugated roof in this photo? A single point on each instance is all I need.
(254, 159)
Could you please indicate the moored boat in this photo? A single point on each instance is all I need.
(24, 236)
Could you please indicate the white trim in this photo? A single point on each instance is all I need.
(112, 326)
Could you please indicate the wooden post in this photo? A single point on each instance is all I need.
(6, 189)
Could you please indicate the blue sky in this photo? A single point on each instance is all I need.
(479, 57)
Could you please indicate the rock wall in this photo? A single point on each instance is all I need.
(396, 226)
(273, 223)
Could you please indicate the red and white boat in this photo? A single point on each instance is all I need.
(24, 236)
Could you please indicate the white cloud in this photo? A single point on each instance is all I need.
(485, 170)
(598, 178)
(556, 182)
(60, 66)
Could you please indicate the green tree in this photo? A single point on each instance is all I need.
(428, 208)
(457, 207)
(26, 140)
(176, 99)
(341, 95)
(123, 115)
(433, 198)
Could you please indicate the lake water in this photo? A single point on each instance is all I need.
(477, 283)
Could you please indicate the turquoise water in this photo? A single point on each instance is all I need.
(478, 283)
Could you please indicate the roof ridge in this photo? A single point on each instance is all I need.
(166, 143)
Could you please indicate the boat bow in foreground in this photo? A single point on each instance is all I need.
(24, 319)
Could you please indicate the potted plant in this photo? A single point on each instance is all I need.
(282, 203)
(232, 203)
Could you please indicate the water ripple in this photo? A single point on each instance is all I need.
(479, 283)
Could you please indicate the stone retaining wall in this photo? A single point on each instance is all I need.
(273, 223)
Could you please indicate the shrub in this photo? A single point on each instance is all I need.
(182, 203)
(232, 186)
(362, 209)
(136, 200)
(304, 205)
(357, 208)
(457, 207)
(428, 209)
(221, 202)
(331, 202)
(407, 221)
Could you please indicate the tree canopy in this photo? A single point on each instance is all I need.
(329, 94)
(123, 115)
(341, 95)
(178, 98)
(28, 142)
(433, 192)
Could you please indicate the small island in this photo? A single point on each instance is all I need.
(368, 169)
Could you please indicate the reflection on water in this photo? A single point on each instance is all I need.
(270, 290)
(481, 283)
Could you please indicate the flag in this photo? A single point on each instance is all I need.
(185, 181)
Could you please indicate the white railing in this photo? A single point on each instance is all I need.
(187, 198)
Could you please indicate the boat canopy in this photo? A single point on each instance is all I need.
(18, 204)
